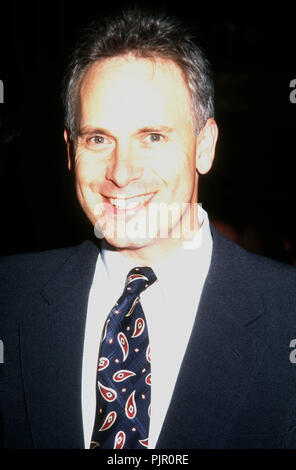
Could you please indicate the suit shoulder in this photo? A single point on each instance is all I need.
(23, 276)
(26, 273)
(269, 269)
(27, 263)
(271, 277)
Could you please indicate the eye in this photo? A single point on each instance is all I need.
(154, 137)
(97, 139)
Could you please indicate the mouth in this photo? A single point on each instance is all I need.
(129, 205)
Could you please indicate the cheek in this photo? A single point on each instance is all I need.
(87, 174)
(174, 166)
(88, 171)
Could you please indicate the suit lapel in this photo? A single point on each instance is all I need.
(221, 354)
(52, 348)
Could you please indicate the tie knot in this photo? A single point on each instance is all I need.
(138, 279)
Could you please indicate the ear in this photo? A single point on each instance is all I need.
(205, 148)
(68, 142)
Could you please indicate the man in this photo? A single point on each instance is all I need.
(140, 130)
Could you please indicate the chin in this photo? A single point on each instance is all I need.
(128, 243)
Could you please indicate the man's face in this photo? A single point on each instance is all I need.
(136, 149)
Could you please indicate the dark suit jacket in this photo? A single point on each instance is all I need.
(236, 387)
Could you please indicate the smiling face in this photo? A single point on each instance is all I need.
(136, 150)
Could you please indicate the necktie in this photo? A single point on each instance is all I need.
(124, 371)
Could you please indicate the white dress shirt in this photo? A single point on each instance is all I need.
(170, 307)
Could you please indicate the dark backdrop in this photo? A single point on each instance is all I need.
(251, 188)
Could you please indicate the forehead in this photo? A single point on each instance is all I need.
(143, 86)
(144, 67)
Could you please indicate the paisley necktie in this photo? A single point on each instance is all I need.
(124, 372)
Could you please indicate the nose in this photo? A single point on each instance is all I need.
(123, 166)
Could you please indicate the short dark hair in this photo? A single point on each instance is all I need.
(144, 34)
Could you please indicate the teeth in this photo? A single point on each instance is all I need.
(119, 203)
(130, 203)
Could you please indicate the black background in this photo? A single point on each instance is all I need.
(252, 184)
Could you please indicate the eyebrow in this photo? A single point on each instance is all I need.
(152, 129)
(92, 130)
(144, 130)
